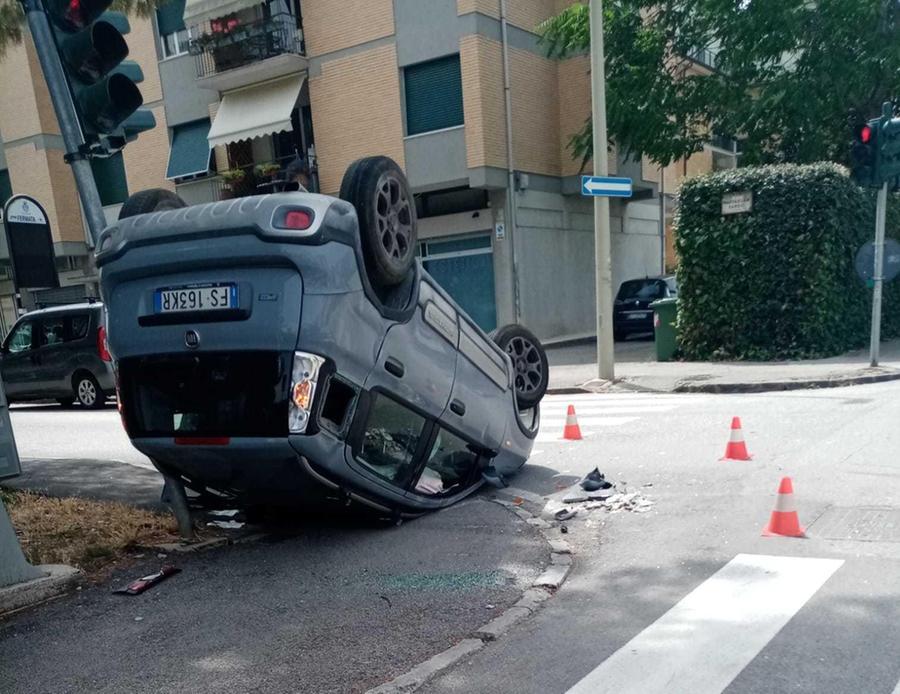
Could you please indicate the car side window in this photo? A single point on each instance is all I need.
(78, 327)
(20, 341)
(51, 332)
(449, 468)
(390, 440)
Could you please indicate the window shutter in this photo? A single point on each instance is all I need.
(170, 17)
(434, 95)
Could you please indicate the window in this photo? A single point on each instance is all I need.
(433, 95)
(390, 440)
(109, 173)
(449, 468)
(78, 327)
(644, 290)
(20, 341)
(173, 35)
(52, 332)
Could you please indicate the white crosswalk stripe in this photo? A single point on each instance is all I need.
(599, 411)
(707, 639)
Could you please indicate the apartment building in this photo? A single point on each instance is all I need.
(242, 88)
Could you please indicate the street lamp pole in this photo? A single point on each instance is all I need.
(602, 243)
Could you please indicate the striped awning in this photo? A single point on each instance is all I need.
(199, 11)
(262, 109)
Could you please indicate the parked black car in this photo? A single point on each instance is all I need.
(632, 313)
(59, 354)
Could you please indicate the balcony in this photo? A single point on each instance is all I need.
(231, 54)
(252, 179)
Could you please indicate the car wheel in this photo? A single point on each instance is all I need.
(384, 204)
(529, 360)
(620, 335)
(152, 200)
(65, 402)
(87, 391)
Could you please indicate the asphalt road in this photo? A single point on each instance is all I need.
(687, 597)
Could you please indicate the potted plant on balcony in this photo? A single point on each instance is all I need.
(268, 170)
(233, 179)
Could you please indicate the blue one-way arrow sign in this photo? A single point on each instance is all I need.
(605, 186)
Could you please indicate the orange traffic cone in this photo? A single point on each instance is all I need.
(784, 520)
(571, 432)
(736, 448)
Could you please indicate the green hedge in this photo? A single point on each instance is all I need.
(778, 282)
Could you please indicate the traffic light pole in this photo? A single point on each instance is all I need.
(605, 345)
(66, 115)
(878, 278)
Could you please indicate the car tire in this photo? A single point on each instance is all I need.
(87, 391)
(620, 335)
(384, 204)
(529, 360)
(152, 200)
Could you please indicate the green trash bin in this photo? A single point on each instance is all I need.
(665, 311)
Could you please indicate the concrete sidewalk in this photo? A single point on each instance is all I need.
(574, 366)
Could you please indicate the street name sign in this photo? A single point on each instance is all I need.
(605, 187)
(736, 203)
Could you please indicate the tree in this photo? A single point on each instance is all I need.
(788, 74)
(12, 19)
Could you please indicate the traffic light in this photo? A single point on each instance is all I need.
(865, 154)
(889, 149)
(92, 50)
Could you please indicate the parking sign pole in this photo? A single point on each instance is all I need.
(878, 277)
(602, 243)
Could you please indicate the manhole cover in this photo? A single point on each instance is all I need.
(871, 524)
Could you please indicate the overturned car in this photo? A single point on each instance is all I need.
(289, 347)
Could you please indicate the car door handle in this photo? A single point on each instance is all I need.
(394, 367)
(458, 407)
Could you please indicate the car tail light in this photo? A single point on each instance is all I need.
(304, 377)
(298, 219)
(102, 346)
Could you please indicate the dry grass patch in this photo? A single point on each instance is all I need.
(91, 535)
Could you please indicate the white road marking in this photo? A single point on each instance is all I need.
(703, 642)
(594, 409)
(560, 422)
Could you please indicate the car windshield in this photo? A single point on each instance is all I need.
(643, 290)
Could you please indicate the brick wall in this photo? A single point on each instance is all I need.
(31, 170)
(330, 26)
(19, 114)
(525, 14)
(147, 157)
(574, 107)
(535, 102)
(483, 101)
(356, 112)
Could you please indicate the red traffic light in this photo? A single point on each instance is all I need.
(865, 134)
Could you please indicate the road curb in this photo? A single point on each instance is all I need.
(774, 386)
(60, 579)
(529, 602)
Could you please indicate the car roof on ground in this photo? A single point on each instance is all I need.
(63, 309)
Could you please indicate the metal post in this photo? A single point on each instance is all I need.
(511, 223)
(878, 276)
(662, 220)
(605, 345)
(66, 115)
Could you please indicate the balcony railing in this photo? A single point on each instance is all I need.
(227, 43)
(253, 179)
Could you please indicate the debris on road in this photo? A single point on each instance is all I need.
(594, 481)
(226, 524)
(633, 501)
(565, 514)
(139, 586)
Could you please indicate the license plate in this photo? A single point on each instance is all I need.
(213, 297)
(637, 316)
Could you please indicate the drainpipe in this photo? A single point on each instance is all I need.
(510, 162)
